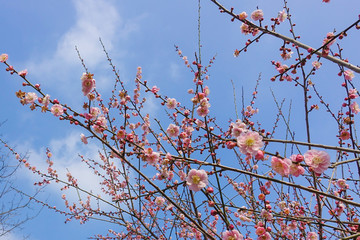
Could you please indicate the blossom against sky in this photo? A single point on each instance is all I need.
(41, 37)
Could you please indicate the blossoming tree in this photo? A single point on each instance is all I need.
(164, 181)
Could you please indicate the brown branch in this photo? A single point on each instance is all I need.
(297, 43)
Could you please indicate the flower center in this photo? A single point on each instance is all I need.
(196, 179)
(249, 142)
(231, 238)
(317, 160)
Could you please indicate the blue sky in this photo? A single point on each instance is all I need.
(41, 36)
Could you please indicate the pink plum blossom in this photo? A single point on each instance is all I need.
(206, 90)
(244, 217)
(344, 135)
(353, 93)
(282, 68)
(281, 166)
(250, 142)
(339, 209)
(266, 214)
(286, 55)
(255, 31)
(30, 97)
(316, 64)
(265, 236)
(200, 123)
(329, 36)
(94, 111)
(173, 130)
(100, 124)
(197, 179)
(155, 89)
(312, 236)
(182, 175)
(342, 184)
(296, 169)
(318, 160)
(231, 235)
(87, 83)
(121, 134)
(282, 15)
(202, 111)
(3, 57)
(83, 138)
(237, 128)
(204, 103)
(152, 157)
(355, 107)
(257, 15)
(282, 205)
(57, 110)
(250, 111)
(243, 15)
(159, 201)
(171, 103)
(349, 75)
(104, 109)
(45, 100)
(23, 73)
(260, 231)
(245, 28)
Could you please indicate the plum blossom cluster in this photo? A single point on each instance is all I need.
(282, 68)
(249, 142)
(151, 157)
(317, 161)
(202, 101)
(247, 29)
(327, 42)
(187, 180)
(87, 83)
(232, 235)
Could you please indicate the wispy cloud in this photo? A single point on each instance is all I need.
(94, 20)
(11, 236)
(65, 155)
(174, 71)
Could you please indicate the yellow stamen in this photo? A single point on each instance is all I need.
(196, 179)
(249, 142)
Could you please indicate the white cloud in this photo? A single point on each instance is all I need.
(94, 19)
(65, 155)
(11, 236)
(151, 106)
